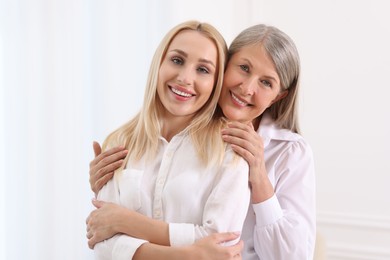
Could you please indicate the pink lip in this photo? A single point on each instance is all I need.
(179, 97)
(182, 89)
(235, 101)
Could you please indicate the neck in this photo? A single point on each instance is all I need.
(174, 125)
(256, 122)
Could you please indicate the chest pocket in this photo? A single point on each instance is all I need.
(130, 188)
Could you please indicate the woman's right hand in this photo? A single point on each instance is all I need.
(210, 247)
(103, 166)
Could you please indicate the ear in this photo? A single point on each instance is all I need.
(280, 96)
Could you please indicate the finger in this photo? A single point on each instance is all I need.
(113, 166)
(107, 165)
(250, 124)
(98, 203)
(105, 154)
(237, 248)
(225, 237)
(239, 133)
(96, 148)
(244, 153)
(89, 235)
(98, 178)
(102, 181)
(109, 157)
(91, 243)
(237, 141)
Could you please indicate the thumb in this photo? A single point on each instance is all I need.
(227, 236)
(250, 124)
(98, 203)
(96, 148)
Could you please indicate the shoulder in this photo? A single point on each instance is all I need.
(289, 144)
(283, 144)
(233, 160)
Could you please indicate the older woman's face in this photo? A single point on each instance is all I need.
(251, 84)
(187, 74)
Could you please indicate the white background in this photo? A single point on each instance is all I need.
(72, 71)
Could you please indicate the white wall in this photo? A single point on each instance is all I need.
(71, 71)
(344, 47)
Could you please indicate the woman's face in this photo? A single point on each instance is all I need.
(187, 74)
(251, 84)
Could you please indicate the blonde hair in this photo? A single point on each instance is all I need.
(283, 52)
(141, 134)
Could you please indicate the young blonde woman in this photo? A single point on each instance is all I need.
(178, 176)
(259, 97)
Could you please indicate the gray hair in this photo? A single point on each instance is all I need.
(284, 54)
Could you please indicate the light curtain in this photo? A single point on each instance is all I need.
(72, 71)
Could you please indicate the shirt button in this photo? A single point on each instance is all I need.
(157, 213)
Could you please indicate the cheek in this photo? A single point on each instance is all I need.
(206, 87)
(231, 78)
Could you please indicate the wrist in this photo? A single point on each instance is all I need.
(121, 224)
(261, 189)
(186, 252)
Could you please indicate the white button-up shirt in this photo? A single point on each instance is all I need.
(283, 227)
(175, 187)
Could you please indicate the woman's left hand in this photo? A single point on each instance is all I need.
(246, 142)
(101, 222)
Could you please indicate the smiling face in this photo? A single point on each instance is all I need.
(187, 75)
(251, 84)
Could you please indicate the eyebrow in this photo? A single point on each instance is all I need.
(201, 59)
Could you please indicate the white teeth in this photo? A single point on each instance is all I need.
(180, 93)
(238, 101)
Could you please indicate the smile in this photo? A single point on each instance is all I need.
(238, 101)
(181, 93)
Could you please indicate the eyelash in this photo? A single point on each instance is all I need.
(264, 82)
(179, 61)
(244, 68)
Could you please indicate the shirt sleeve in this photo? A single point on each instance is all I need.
(285, 223)
(119, 246)
(226, 206)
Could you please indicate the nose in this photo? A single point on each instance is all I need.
(248, 87)
(185, 75)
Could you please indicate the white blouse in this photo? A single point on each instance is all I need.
(175, 187)
(284, 226)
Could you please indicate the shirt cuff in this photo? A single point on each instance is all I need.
(125, 247)
(181, 234)
(267, 212)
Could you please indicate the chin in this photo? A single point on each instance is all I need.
(231, 115)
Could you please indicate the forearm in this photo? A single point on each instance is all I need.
(261, 187)
(158, 252)
(137, 225)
